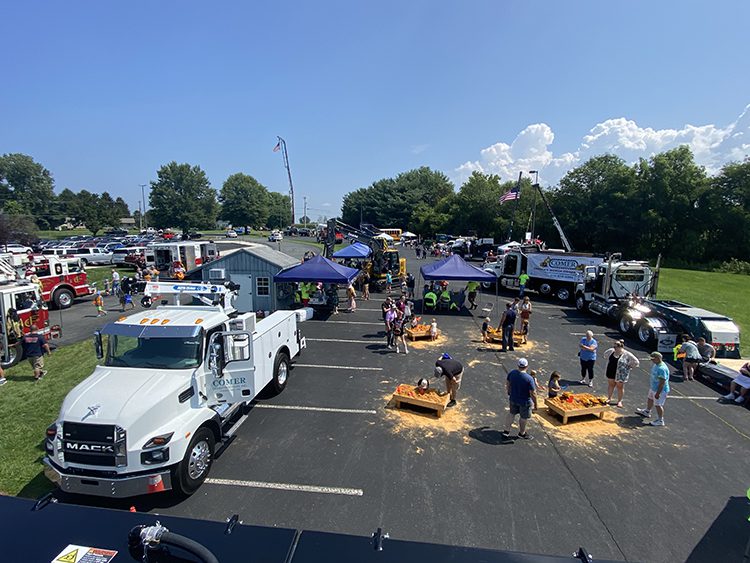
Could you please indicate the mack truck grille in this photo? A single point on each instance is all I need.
(94, 444)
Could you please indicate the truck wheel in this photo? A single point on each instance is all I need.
(14, 355)
(645, 333)
(488, 285)
(624, 324)
(84, 262)
(280, 373)
(581, 303)
(196, 464)
(62, 298)
(545, 289)
(562, 293)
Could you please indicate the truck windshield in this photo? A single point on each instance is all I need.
(159, 353)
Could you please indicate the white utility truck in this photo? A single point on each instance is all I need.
(172, 382)
(551, 272)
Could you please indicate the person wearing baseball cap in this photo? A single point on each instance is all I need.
(658, 390)
(521, 389)
(453, 371)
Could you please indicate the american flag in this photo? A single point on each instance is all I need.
(510, 196)
(277, 148)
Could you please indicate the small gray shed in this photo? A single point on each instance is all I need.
(253, 268)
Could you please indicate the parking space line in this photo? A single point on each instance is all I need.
(361, 368)
(351, 322)
(340, 340)
(315, 409)
(695, 398)
(287, 487)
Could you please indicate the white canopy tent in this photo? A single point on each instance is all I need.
(407, 234)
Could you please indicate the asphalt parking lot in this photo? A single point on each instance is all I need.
(330, 454)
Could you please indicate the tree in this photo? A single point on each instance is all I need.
(279, 210)
(91, 211)
(182, 197)
(476, 206)
(390, 202)
(28, 183)
(17, 228)
(244, 201)
(121, 208)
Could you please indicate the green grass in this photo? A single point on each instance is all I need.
(717, 292)
(97, 274)
(27, 408)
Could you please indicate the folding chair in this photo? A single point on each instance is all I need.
(487, 309)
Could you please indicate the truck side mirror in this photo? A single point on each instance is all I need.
(98, 346)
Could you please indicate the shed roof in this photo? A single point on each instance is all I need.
(260, 251)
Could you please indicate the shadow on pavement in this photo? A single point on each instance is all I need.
(727, 538)
(490, 436)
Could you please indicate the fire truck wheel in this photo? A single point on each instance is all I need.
(280, 373)
(196, 464)
(63, 298)
(14, 355)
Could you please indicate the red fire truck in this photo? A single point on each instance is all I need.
(21, 305)
(62, 279)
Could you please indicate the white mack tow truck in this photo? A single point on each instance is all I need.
(172, 381)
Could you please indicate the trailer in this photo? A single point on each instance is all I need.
(625, 292)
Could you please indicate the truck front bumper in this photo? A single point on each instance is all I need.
(120, 487)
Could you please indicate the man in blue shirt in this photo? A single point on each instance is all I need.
(521, 391)
(587, 355)
(658, 390)
(34, 346)
(507, 323)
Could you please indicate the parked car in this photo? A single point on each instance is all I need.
(231, 234)
(275, 237)
(15, 248)
(93, 255)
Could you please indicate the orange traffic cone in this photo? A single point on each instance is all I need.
(155, 484)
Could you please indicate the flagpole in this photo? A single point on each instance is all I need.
(515, 208)
(282, 142)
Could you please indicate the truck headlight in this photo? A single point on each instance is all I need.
(49, 442)
(158, 441)
(152, 457)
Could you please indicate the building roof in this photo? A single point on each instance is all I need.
(260, 251)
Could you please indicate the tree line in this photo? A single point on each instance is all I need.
(180, 197)
(666, 204)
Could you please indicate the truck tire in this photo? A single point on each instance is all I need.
(280, 373)
(581, 303)
(624, 324)
(84, 262)
(488, 285)
(195, 466)
(562, 293)
(14, 355)
(62, 298)
(645, 333)
(545, 288)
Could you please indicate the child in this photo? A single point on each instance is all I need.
(388, 282)
(433, 330)
(99, 304)
(524, 330)
(539, 386)
(554, 388)
(485, 329)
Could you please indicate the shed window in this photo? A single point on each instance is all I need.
(263, 286)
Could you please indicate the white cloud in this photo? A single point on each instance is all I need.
(712, 146)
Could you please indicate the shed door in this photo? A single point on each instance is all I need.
(244, 301)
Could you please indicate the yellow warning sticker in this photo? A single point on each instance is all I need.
(84, 554)
(69, 557)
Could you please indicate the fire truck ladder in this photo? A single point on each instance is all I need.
(7, 271)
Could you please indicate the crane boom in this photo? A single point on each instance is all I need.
(555, 222)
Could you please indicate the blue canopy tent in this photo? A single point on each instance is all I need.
(319, 269)
(455, 268)
(354, 250)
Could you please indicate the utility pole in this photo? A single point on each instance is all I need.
(144, 223)
(282, 144)
(140, 216)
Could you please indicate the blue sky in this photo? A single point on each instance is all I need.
(103, 93)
